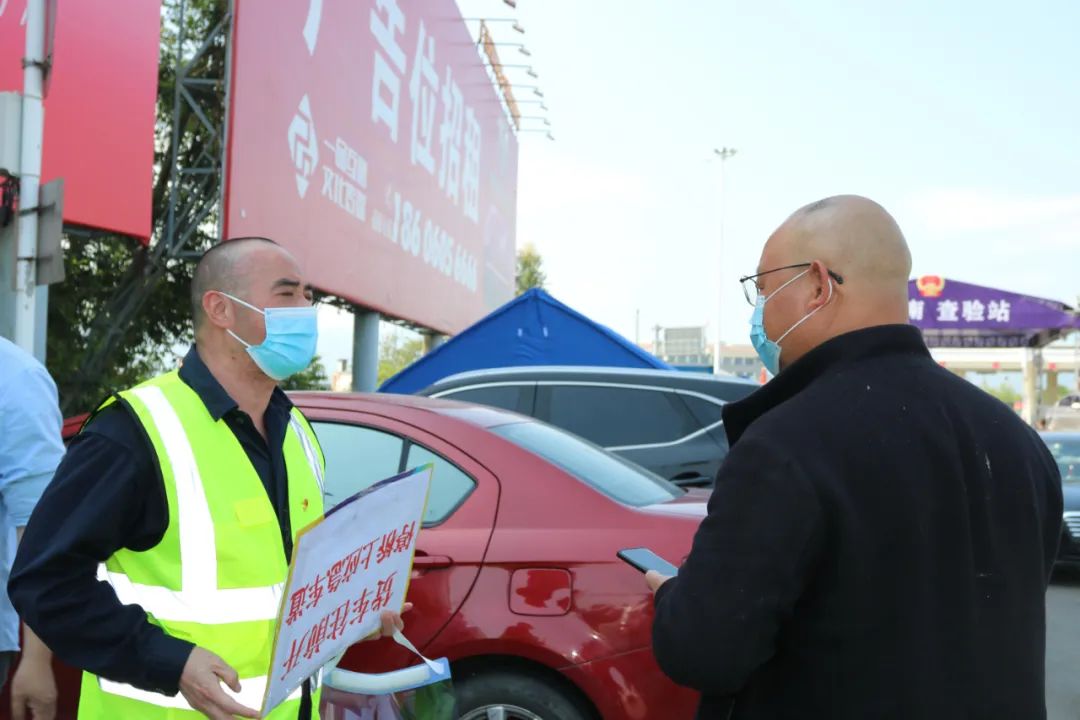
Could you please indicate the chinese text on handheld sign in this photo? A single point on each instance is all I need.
(345, 571)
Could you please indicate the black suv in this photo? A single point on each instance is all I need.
(665, 420)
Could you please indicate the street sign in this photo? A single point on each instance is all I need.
(50, 251)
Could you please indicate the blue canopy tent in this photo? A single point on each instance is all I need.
(533, 329)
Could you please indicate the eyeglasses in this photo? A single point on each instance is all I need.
(750, 287)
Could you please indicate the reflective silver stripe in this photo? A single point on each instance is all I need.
(216, 608)
(199, 599)
(251, 694)
(198, 552)
(309, 450)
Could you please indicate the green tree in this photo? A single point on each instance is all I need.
(396, 353)
(1004, 392)
(314, 378)
(124, 307)
(1052, 396)
(530, 270)
(146, 347)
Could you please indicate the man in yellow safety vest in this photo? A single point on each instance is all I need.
(156, 560)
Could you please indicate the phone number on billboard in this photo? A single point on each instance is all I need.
(420, 236)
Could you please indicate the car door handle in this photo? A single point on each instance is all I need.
(423, 561)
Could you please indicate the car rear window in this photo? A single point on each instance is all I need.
(505, 397)
(615, 416)
(609, 474)
(706, 412)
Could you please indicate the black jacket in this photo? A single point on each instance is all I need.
(878, 545)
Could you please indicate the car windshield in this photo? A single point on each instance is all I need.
(618, 479)
(1066, 452)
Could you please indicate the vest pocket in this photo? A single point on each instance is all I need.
(248, 540)
(253, 512)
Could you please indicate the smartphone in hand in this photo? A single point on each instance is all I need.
(645, 560)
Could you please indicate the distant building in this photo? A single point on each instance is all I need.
(341, 379)
(683, 346)
(739, 360)
(687, 349)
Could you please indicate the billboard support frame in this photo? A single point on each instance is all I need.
(196, 191)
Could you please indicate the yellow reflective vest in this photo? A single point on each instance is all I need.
(217, 577)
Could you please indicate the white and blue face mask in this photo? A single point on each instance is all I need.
(292, 334)
(769, 350)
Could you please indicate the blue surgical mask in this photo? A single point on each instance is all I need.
(291, 336)
(766, 349)
(769, 350)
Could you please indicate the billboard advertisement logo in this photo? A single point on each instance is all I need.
(303, 146)
(311, 26)
(4, 6)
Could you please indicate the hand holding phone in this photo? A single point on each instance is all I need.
(645, 560)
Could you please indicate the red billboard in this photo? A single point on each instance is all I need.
(366, 137)
(100, 106)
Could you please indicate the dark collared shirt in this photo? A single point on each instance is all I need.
(107, 494)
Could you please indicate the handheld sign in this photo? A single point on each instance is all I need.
(345, 570)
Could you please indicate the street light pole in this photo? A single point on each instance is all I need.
(724, 154)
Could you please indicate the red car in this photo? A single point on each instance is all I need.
(516, 578)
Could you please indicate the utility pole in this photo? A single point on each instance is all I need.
(724, 154)
(33, 124)
(1076, 352)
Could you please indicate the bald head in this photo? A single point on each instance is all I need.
(854, 236)
(847, 236)
(226, 267)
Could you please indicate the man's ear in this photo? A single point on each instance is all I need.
(819, 276)
(218, 310)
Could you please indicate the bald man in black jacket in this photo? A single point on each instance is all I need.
(882, 532)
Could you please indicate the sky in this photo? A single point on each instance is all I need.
(959, 117)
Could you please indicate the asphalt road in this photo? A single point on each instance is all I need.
(1063, 647)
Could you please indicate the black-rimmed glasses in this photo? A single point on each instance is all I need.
(750, 287)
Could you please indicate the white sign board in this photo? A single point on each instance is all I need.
(345, 571)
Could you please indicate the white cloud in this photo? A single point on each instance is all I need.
(1025, 243)
(1054, 218)
(584, 219)
(553, 181)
